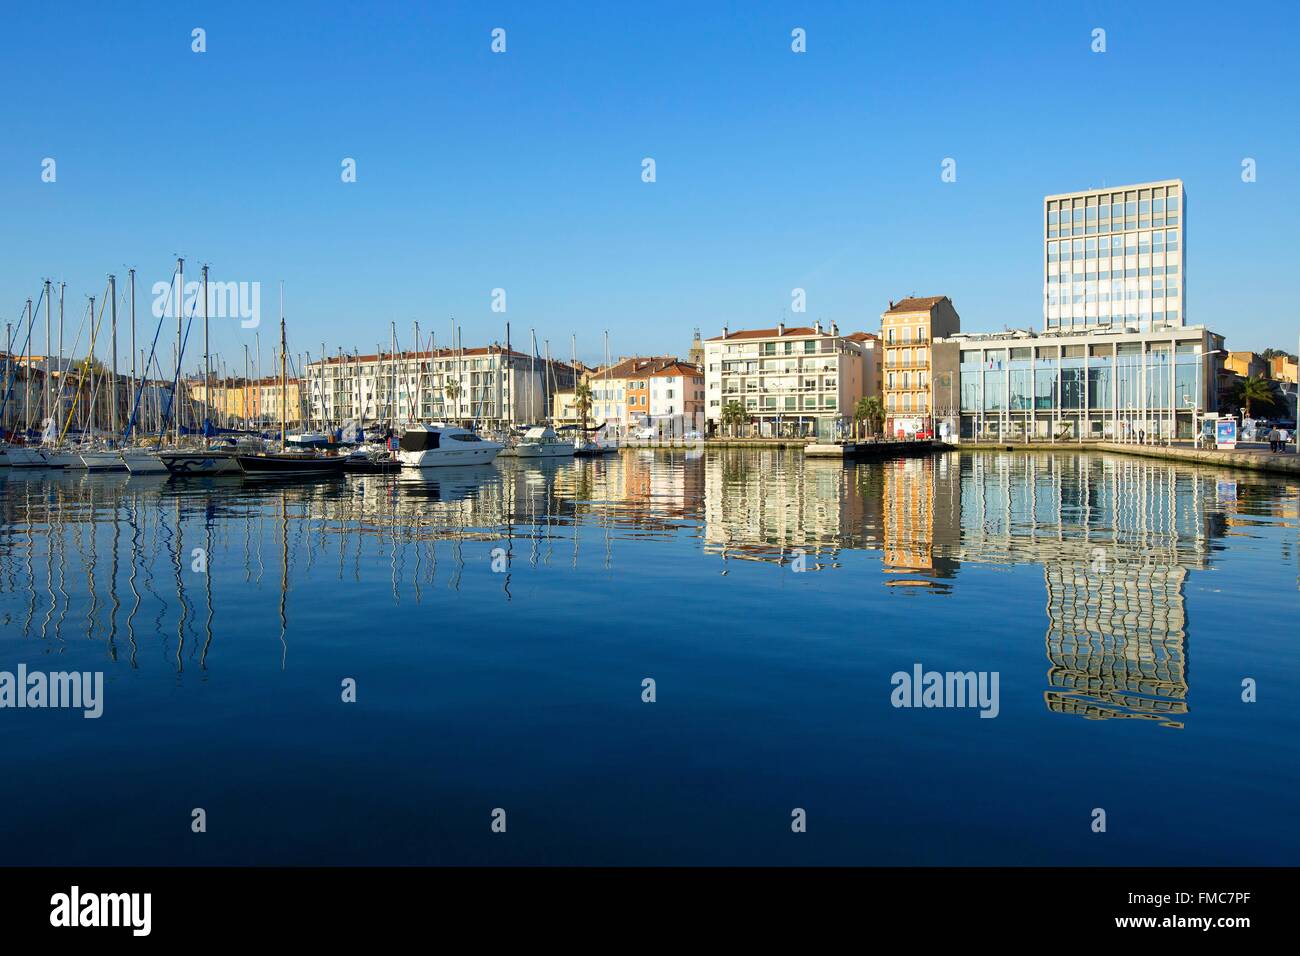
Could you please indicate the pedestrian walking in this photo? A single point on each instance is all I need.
(1274, 437)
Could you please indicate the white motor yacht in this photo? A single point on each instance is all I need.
(429, 446)
(542, 442)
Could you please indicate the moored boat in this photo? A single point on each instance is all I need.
(143, 461)
(290, 465)
(202, 461)
(56, 457)
(102, 459)
(542, 442)
(23, 456)
(430, 446)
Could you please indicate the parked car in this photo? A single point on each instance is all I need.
(644, 433)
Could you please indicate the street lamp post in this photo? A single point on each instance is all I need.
(1196, 431)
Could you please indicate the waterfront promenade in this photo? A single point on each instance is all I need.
(1250, 459)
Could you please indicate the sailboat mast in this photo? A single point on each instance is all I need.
(325, 423)
(112, 391)
(284, 377)
(257, 370)
(134, 382)
(414, 403)
(62, 287)
(90, 366)
(207, 361)
(48, 364)
(547, 382)
(180, 311)
(27, 374)
(532, 375)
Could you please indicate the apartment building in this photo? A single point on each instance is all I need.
(906, 330)
(676, 396)
(793, 382)
(486, 384)
(621, 391)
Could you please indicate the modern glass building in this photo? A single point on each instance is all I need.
(1121, 385)
(1115, 256)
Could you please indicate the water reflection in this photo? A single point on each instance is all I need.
(116, 558)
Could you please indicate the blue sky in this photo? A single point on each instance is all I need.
(522, 171)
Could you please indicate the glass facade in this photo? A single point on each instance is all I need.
(1144, 388)
(1115, 257)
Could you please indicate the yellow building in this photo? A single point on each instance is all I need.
(1246, 364)
(906, 330)
(1282, 369)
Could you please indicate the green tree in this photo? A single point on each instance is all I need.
(582, 401)
(1255, 391)
(733, 414)
(868, 409)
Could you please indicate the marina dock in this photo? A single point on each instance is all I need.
(873, 448)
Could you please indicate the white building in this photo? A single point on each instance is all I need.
(487, 384)
(790, 381)
(1115, 257)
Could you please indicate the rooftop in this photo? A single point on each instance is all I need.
(916, 304)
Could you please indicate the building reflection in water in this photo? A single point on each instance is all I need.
(1116, 538)
(110, 556)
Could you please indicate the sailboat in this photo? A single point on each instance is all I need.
(14, 455)
(541, 441)
(287, 464)
(205, 460)
(588, 445)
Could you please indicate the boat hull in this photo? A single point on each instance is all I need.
(102, 461)
(144, 463)
(26, 458)
(186, 463)
(554, 449)
(60, 459)
(289, 466)
(450, 457)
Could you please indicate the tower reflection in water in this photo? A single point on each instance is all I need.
(1116, 538)
(111, 556)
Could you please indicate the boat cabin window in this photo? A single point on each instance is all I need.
(465, 437)
(420, 440)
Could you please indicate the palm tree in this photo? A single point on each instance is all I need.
(451, 389)
(876, 414)
(860, 414)
(582, 402)
(869, 409)
(1255, 389)
(733, 414)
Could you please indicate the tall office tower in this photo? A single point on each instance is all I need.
(1115, 257)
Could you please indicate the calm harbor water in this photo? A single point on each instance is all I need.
(499, 622)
